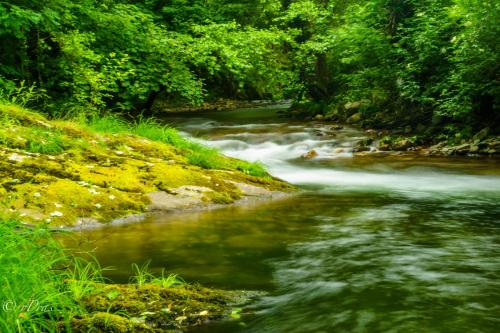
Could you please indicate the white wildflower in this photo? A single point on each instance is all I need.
(37, 194)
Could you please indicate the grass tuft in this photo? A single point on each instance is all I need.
(44, 142)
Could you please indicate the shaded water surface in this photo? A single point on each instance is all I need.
(374, 243)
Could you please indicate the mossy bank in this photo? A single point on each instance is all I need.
(66, 173)
(45, 288)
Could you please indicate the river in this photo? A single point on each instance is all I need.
(372, 242)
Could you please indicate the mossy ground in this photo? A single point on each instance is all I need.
(57, 172)
(153, 308)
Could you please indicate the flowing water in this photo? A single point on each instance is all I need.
(372, 243)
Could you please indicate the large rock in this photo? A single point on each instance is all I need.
(181, 197)
(474, 149)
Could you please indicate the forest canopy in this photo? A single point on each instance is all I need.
(426, 62)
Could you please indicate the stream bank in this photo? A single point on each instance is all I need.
(65, 174)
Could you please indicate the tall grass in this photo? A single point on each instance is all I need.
(34, 295)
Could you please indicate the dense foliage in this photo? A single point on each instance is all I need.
(396, 62)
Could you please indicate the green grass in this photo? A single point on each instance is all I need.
(33, 272)
(196, 153)
(44, 141)
(252, 168)
(143, 276)
(39, 139)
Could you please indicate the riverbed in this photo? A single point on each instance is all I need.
(373, 242)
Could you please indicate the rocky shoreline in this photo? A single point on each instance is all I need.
(479, 145)
(162, 106)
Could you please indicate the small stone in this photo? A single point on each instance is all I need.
(370, 131)
(310, 154)
(474, 149)
(355, 118)
(98, 206)
(118, 152)
(37, 194)
(16, 157)
(462, 149)
(112, 197)
(56, 214)
(361, 149)
(438, 146)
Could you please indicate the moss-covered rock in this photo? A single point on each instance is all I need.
(62, 173)
(150, 307)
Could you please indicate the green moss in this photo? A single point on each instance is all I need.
(106, 322)
(166, 308)
(58, 172)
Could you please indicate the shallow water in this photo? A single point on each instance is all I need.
(373, 243)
